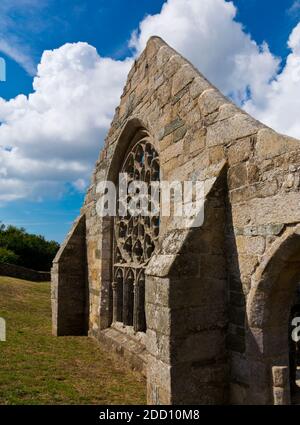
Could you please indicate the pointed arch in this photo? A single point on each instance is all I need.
(268, 309)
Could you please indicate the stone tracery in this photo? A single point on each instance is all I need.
(135, 238)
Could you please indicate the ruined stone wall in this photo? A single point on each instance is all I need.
(186, 305)
(263, 184)
(198, 134)
(161, 95)
(20, 272)
(69, 290)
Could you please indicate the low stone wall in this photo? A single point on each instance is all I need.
(20, 272)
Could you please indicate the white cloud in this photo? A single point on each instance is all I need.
(279, 105)
(206, 33)
(54, 135)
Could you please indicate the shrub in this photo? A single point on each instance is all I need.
(32, 251)
(8, 256)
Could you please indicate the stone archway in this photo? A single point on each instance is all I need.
(133, 131)
(268, 311)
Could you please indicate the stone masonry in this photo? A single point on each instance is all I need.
(217, 297)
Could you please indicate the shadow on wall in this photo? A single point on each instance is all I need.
(269, 309)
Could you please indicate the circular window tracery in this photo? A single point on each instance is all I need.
(135, 237)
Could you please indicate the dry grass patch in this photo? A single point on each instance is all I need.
(37, 368)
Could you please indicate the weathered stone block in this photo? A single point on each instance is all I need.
(270, 144)
(236, 127)
(172, 126)
(210, 101)
(239, 151)
(237, 176)
(251, 245)
(182, 78)
(280, 376)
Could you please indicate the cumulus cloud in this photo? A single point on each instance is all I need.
(205, 31)
(54, 135)
(280, 104)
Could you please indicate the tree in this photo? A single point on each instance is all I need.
(33, 251)
(8, 256)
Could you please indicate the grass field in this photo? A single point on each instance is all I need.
(37, 368)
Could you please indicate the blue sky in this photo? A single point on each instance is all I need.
(105, 24)
(29, 27)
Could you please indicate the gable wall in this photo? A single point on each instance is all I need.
(194, 128)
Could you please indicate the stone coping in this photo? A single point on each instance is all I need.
(122, 341)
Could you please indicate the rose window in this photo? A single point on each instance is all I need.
(135, 236)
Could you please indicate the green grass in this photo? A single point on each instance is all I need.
(38, 368)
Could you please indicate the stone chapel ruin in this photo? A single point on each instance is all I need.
(203, 312)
